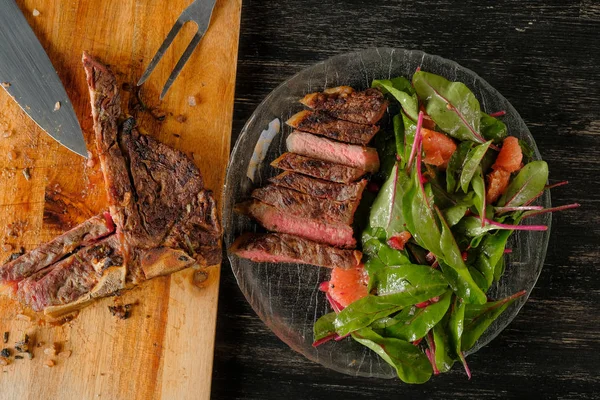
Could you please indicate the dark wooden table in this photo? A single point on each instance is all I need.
(544, 57)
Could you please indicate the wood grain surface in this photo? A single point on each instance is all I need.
(165, 350)
(544, 57)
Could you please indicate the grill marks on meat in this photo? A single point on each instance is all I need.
(317, 168)
(366, 107)
(271, 218)
(276, 248)
(360, 157)
(47, 254)
(305, 206)
(320, 188)
(322, 124)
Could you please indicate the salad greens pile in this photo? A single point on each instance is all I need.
(427, 300)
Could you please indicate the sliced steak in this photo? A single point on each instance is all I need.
(322, 124)
(281, 248)
(72, 278)
(29, 263)
(106, 111)
(317, 168)
(320, 188)
(156, 191)
(364, 158)
(339, 235)
(305, 206)
(366, 107)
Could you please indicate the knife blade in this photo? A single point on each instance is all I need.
(28, 75)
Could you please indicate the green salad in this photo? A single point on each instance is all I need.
(454, 186)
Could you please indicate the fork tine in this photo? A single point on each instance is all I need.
(161, 51)
(184, 58)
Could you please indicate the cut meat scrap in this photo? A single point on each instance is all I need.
(322, 124)
(366, 107)
(338, 235)
(282, 248)
(318, 168)
(320, 188)
(75, 277)
(306, 206)
(47, 254)
(364, 158)
(106, 111)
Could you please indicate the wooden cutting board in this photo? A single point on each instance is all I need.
(165, 349)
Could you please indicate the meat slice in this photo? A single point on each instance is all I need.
(317, 168)
(282, 248)
(305, 206)
(366, 107)
(338, 235)
(320, 188)
(322, 124)
(156, 192)
(29, 263)
(106, 111)
(365, 158)
(73, 278)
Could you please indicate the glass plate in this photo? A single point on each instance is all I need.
(286, 296)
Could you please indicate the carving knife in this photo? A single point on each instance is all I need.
(27, 74)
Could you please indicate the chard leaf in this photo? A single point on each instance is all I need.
(456, 325)
(386, 211)
(451, 105)
(455, 213)
(324, 327)
(410, 284)
(402, 90)
(410, 362)
(455, 165)
(444, 359)
(528, 183)
(499, 269)
(413, 323)
(454, 267)
(410, 129)
(471, 227)
(479, 317)
(491, 251)
(479, 188)
(472, 162)
(419, 217)
(492, 128)
(363, 312)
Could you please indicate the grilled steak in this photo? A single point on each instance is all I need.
(303, 205)
(156, 191)
(277, 247)
(339, 235)
(29, 263)
(165, 220)
(365, 158)
(71, 278)
(320, 188)
(337, 129)
(366, 107)
(317, 168)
